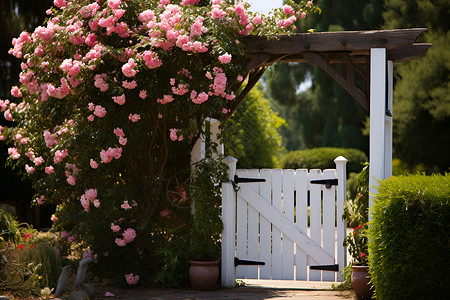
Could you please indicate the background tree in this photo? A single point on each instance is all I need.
(325, 115)
(251, 132)
(15, 16)
(422, 87)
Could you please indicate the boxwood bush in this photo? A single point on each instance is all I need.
(409, 236)
(323, 158)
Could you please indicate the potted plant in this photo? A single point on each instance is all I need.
(356, 242)
(206, 224)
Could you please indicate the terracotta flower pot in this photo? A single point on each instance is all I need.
(203, 274)
(360, 281)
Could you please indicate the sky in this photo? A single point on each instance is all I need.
(264, 6)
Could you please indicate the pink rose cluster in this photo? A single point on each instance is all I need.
(69, 238)
(107, 155)
(128, 236)
(132, 279)
(90, 196)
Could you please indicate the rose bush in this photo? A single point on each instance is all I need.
(113, 96)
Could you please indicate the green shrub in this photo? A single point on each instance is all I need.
(9, 227)
(323, 158)
(409, 238)
(47, 258)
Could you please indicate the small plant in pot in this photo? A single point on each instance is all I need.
(356, 214)
(206, 224)
(356, 242)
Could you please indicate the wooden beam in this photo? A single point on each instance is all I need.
(349, 85)
(253, 79)
(332, 41)
(256, 61)
(410, 52)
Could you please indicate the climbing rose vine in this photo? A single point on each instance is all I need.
(113, 96)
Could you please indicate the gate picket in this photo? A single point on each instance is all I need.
(315, 216)
(301, 187)
(329, 204)
(253, 228)
(288, 211)
(241, 239)
(276, 233)
(265, 228)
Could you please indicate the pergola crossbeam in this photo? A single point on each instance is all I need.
(332, 41)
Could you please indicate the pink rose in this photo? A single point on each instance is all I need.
(15, 92)
(130, 278)
(225, 59)
(120, 242)
(119, 99)
(134, 118)
(93, 164)
(115, 228)
(129, 235)
(100, 111)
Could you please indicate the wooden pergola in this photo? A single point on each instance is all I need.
(360, 61)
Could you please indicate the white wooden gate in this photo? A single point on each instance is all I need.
(268, 222)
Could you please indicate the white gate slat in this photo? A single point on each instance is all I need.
(265, 234)
(287, 258)
(276, 233)
(241, 240)
(301, 221)
(287, 227)
(315, 215)
(329, 204)
(253, 227)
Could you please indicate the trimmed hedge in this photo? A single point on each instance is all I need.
(323, 158)
(410, 238)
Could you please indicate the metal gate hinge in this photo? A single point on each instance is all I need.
(328, 182)
(238, 179)
(238, 262)
(334, 268)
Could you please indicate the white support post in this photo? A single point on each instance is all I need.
(341, 195)
(229, 226)
(377, 148)
(199, 150)
(389, 116)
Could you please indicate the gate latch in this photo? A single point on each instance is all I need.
(328, 182)
(238, 179)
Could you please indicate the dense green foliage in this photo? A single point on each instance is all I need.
(422, 107)
(422, 87)
(323, 158)
(409, 238)
(251, 133)
(9, 227)
(48, 260)
(29, 261)
(356, 208)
